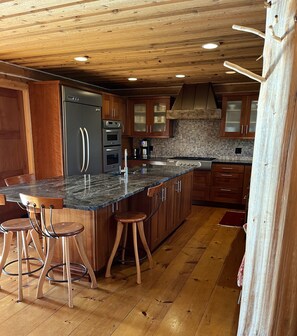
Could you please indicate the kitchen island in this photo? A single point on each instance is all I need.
(92, 200)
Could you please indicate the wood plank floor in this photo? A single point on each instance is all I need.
(190, 291)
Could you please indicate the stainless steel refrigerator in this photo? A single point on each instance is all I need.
(82, 135)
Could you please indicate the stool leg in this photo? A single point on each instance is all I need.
(134, 229)
(144, 243)
(25, 249)
(36, 241)
(64, 260)
(65, 242)
(81, 250)
(5, 251)
(124, 243)
(51, 242)
(20, 284)
(114, 249)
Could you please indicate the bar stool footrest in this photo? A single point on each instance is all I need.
(25, 273)
(83, 267)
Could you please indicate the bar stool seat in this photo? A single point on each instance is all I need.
(130, 216)
(17, 224)
(66, 229)
(136, 219)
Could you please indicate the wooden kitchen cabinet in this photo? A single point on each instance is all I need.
(115, 108)
(239, 115)
(227, 183)
(201, 185)
(149, 117)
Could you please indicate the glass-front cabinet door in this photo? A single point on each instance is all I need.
(239, 116)
(149, 117)
(140, 118)
(252, 108)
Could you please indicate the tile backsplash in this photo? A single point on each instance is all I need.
(200, 138)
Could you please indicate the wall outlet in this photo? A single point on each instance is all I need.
(238, 150)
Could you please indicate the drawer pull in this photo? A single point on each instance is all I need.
(228, 175)
(227, 168)
(225, 189)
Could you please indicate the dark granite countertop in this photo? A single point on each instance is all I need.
(91, 192)
(238, 161)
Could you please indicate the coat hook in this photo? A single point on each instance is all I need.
(244, 71)
(267, 4)
(249, 30)
(271, 28)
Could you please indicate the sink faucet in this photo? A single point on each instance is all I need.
(125, 170)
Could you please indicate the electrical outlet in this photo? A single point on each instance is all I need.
(238, 150)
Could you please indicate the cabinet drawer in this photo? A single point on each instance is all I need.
(226, 195)
(227, 168)
(227, 180)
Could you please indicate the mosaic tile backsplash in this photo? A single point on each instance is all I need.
(200, 138)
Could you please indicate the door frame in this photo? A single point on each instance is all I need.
(23, 88)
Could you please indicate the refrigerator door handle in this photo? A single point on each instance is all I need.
(83, 149)
(88, 149)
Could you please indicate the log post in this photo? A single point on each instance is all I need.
(269, 303)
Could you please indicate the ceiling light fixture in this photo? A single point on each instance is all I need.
(82, 58)
(211, 45)
(132, 79)
(180, 76)
(230, 72)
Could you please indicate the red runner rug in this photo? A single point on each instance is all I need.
(232, 218)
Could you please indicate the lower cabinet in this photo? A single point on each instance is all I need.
(201, 185)
(175, 206)
(225, 183)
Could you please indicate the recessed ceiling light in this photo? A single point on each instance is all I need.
(82, 58)
(230, 72)
(180, 76)
(211, 45)
(132, 79)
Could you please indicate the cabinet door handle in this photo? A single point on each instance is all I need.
(246, 129)
(165, 193)
(241, 129)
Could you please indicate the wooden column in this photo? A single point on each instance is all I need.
(269, 303)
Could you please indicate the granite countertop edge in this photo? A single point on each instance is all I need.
(93, 192)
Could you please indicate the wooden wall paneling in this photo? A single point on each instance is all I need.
(268, 304)
(45, 101)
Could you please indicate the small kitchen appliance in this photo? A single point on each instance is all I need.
(145, 148)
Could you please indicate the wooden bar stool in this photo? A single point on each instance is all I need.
(53, 231)
(20, 179)
(20, 226)
(136, 219)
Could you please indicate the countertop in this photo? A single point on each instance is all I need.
(227, 160)
(91, 192)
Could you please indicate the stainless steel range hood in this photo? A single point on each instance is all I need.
(195, 101)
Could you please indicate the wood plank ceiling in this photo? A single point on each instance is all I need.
(152, 40)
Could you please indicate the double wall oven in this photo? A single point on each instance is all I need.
(112, 153)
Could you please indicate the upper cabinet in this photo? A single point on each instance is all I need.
(149, 117)
(115, 108)
(239, 115)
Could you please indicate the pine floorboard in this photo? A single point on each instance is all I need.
(190, 291)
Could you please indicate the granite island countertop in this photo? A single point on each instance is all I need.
(91, 192)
